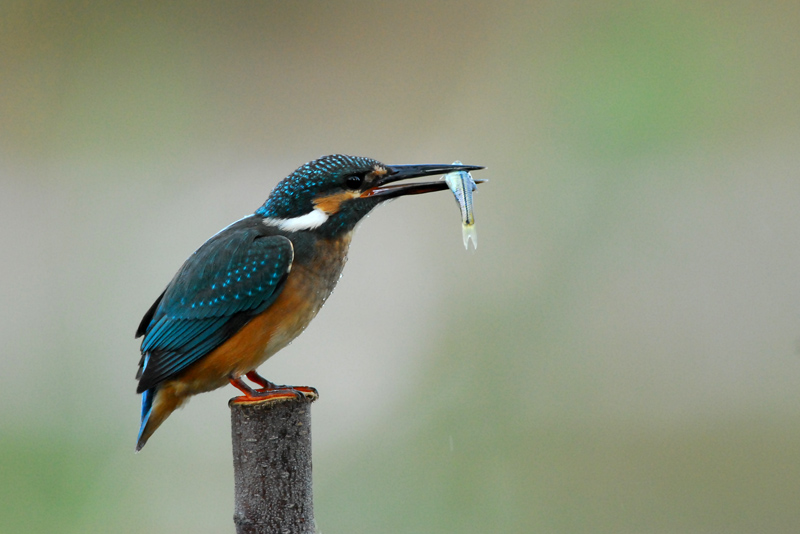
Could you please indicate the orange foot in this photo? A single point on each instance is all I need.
(270, 391)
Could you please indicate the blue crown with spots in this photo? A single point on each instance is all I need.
(294, 194)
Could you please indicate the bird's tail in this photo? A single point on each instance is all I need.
(157, 404)
(147, 409)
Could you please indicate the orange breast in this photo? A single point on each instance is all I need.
(302, 297)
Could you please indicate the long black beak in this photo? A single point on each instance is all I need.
(401, 172)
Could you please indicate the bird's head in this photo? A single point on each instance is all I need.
(331, 194)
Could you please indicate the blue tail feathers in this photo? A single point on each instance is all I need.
(147, 408)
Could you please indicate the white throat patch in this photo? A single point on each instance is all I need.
(309, 221)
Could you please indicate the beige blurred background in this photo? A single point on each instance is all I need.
(621, 354)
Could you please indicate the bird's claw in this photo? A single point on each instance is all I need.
(269, 391)
(280, 394)
(299, 392)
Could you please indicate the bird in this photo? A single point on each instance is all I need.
(253, 287)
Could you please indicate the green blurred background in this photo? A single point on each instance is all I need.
(621, 354)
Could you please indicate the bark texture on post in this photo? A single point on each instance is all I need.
(272, 466)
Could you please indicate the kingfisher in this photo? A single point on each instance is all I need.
(253, 287)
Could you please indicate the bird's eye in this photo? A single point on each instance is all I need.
(354, 181)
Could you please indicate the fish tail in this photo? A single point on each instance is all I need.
(469, 233)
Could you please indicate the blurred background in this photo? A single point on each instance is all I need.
(621, 354)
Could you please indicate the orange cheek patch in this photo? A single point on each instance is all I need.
(332, 203)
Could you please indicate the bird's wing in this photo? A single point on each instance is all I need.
(230, 279)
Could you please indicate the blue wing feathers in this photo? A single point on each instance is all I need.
(148, 317)
(234, 276)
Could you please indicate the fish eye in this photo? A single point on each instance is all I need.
(354, 181)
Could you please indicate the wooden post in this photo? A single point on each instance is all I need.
(272, 465)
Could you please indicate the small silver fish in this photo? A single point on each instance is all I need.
(462, 185)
